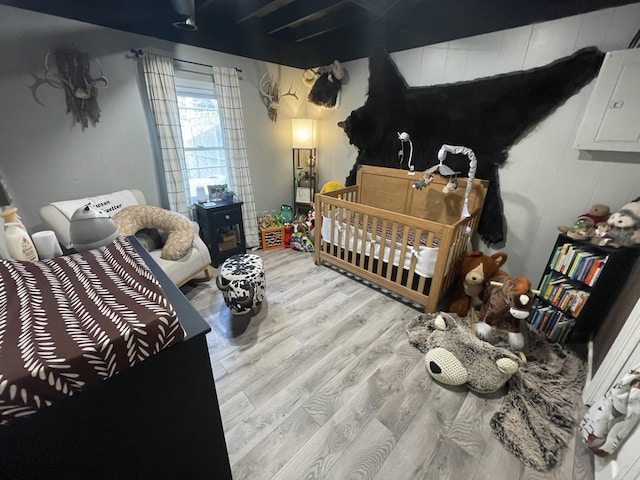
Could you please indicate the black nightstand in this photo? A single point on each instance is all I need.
(221, 229)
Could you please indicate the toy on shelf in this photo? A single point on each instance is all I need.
(475, 271)
(585, 225)
(624, 226)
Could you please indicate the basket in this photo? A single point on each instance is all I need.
(227, 245)
(272, 238)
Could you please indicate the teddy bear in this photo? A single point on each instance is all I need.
(506, 301)
(454, 356)
(624, 226)
(475, 271)
(585, 225)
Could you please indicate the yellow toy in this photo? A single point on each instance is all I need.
(331, 186)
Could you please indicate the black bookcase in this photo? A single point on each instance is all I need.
(579, 284)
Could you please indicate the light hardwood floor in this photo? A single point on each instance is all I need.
(323, 384)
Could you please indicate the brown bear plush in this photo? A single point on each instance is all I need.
(476, 270)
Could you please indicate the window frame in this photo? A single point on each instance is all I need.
(199, 85)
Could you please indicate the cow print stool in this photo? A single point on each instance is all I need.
(242, 282)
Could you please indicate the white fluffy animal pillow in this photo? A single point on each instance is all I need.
(454, 356)
(179, 229)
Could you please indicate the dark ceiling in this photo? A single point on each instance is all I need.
(310, 33)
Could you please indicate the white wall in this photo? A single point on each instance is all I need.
(44, 159)
(545, 182)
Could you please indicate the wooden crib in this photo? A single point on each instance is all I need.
(405, 240)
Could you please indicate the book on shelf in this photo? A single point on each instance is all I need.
(567, 259)
(579, 303)
(585, 263)
(578, 264)
(561, 330)
(552, 286)
(555, 256)
(597, 273)
(561, 256)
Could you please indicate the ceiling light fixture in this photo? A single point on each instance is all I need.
(188, 25)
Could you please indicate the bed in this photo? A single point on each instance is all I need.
(400, 238)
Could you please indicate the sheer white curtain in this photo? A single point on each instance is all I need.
(161, 90)
(230, 105)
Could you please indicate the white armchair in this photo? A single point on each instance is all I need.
(195, 265)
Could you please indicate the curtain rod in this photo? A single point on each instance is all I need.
(138, 53)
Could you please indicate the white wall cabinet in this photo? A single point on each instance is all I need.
(612, 118)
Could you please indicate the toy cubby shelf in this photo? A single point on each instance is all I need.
(272, 238)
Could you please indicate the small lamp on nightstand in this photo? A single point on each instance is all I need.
(91, 227)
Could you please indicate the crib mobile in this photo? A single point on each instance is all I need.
(444, 170)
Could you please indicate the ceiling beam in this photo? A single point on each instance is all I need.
(260, 8)
(298, 13)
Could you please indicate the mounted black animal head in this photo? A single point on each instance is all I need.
(487, 115)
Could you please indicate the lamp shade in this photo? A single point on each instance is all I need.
(90, 227)
(303, 133)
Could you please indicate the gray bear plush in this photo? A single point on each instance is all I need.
(454, 356)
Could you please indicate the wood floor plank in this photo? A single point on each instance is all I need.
(235, 409)
(271, 336)
(318, 455)
(447, 462)
(258, 425)
(261, 337)
(282, 444)
(583, 467)
(420, 438)
(230, 385)
(497, 463)
(401, 408)
(367, 453)
(218, 370)
(344, 324)
(323, 404)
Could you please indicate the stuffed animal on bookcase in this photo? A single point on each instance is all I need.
(624, 226)
(585, 225)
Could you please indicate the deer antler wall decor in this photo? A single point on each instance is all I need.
(271, 95)
(73, 75)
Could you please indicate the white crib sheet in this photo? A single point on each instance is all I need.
(425, 256)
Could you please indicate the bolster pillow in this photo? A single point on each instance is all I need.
(178, 228)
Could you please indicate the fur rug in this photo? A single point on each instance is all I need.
(538, 416)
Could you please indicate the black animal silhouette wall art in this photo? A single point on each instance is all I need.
(488, 115)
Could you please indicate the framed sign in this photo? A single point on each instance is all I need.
(216, 192)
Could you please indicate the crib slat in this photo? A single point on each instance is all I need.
(344, 221)
(414, 259)
(382, 242)
(403, 255)
(372, 247)
(357, 232)
(392, 250)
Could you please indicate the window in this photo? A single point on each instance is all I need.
(201, 133)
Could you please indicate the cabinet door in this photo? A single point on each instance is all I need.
(612, 118)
